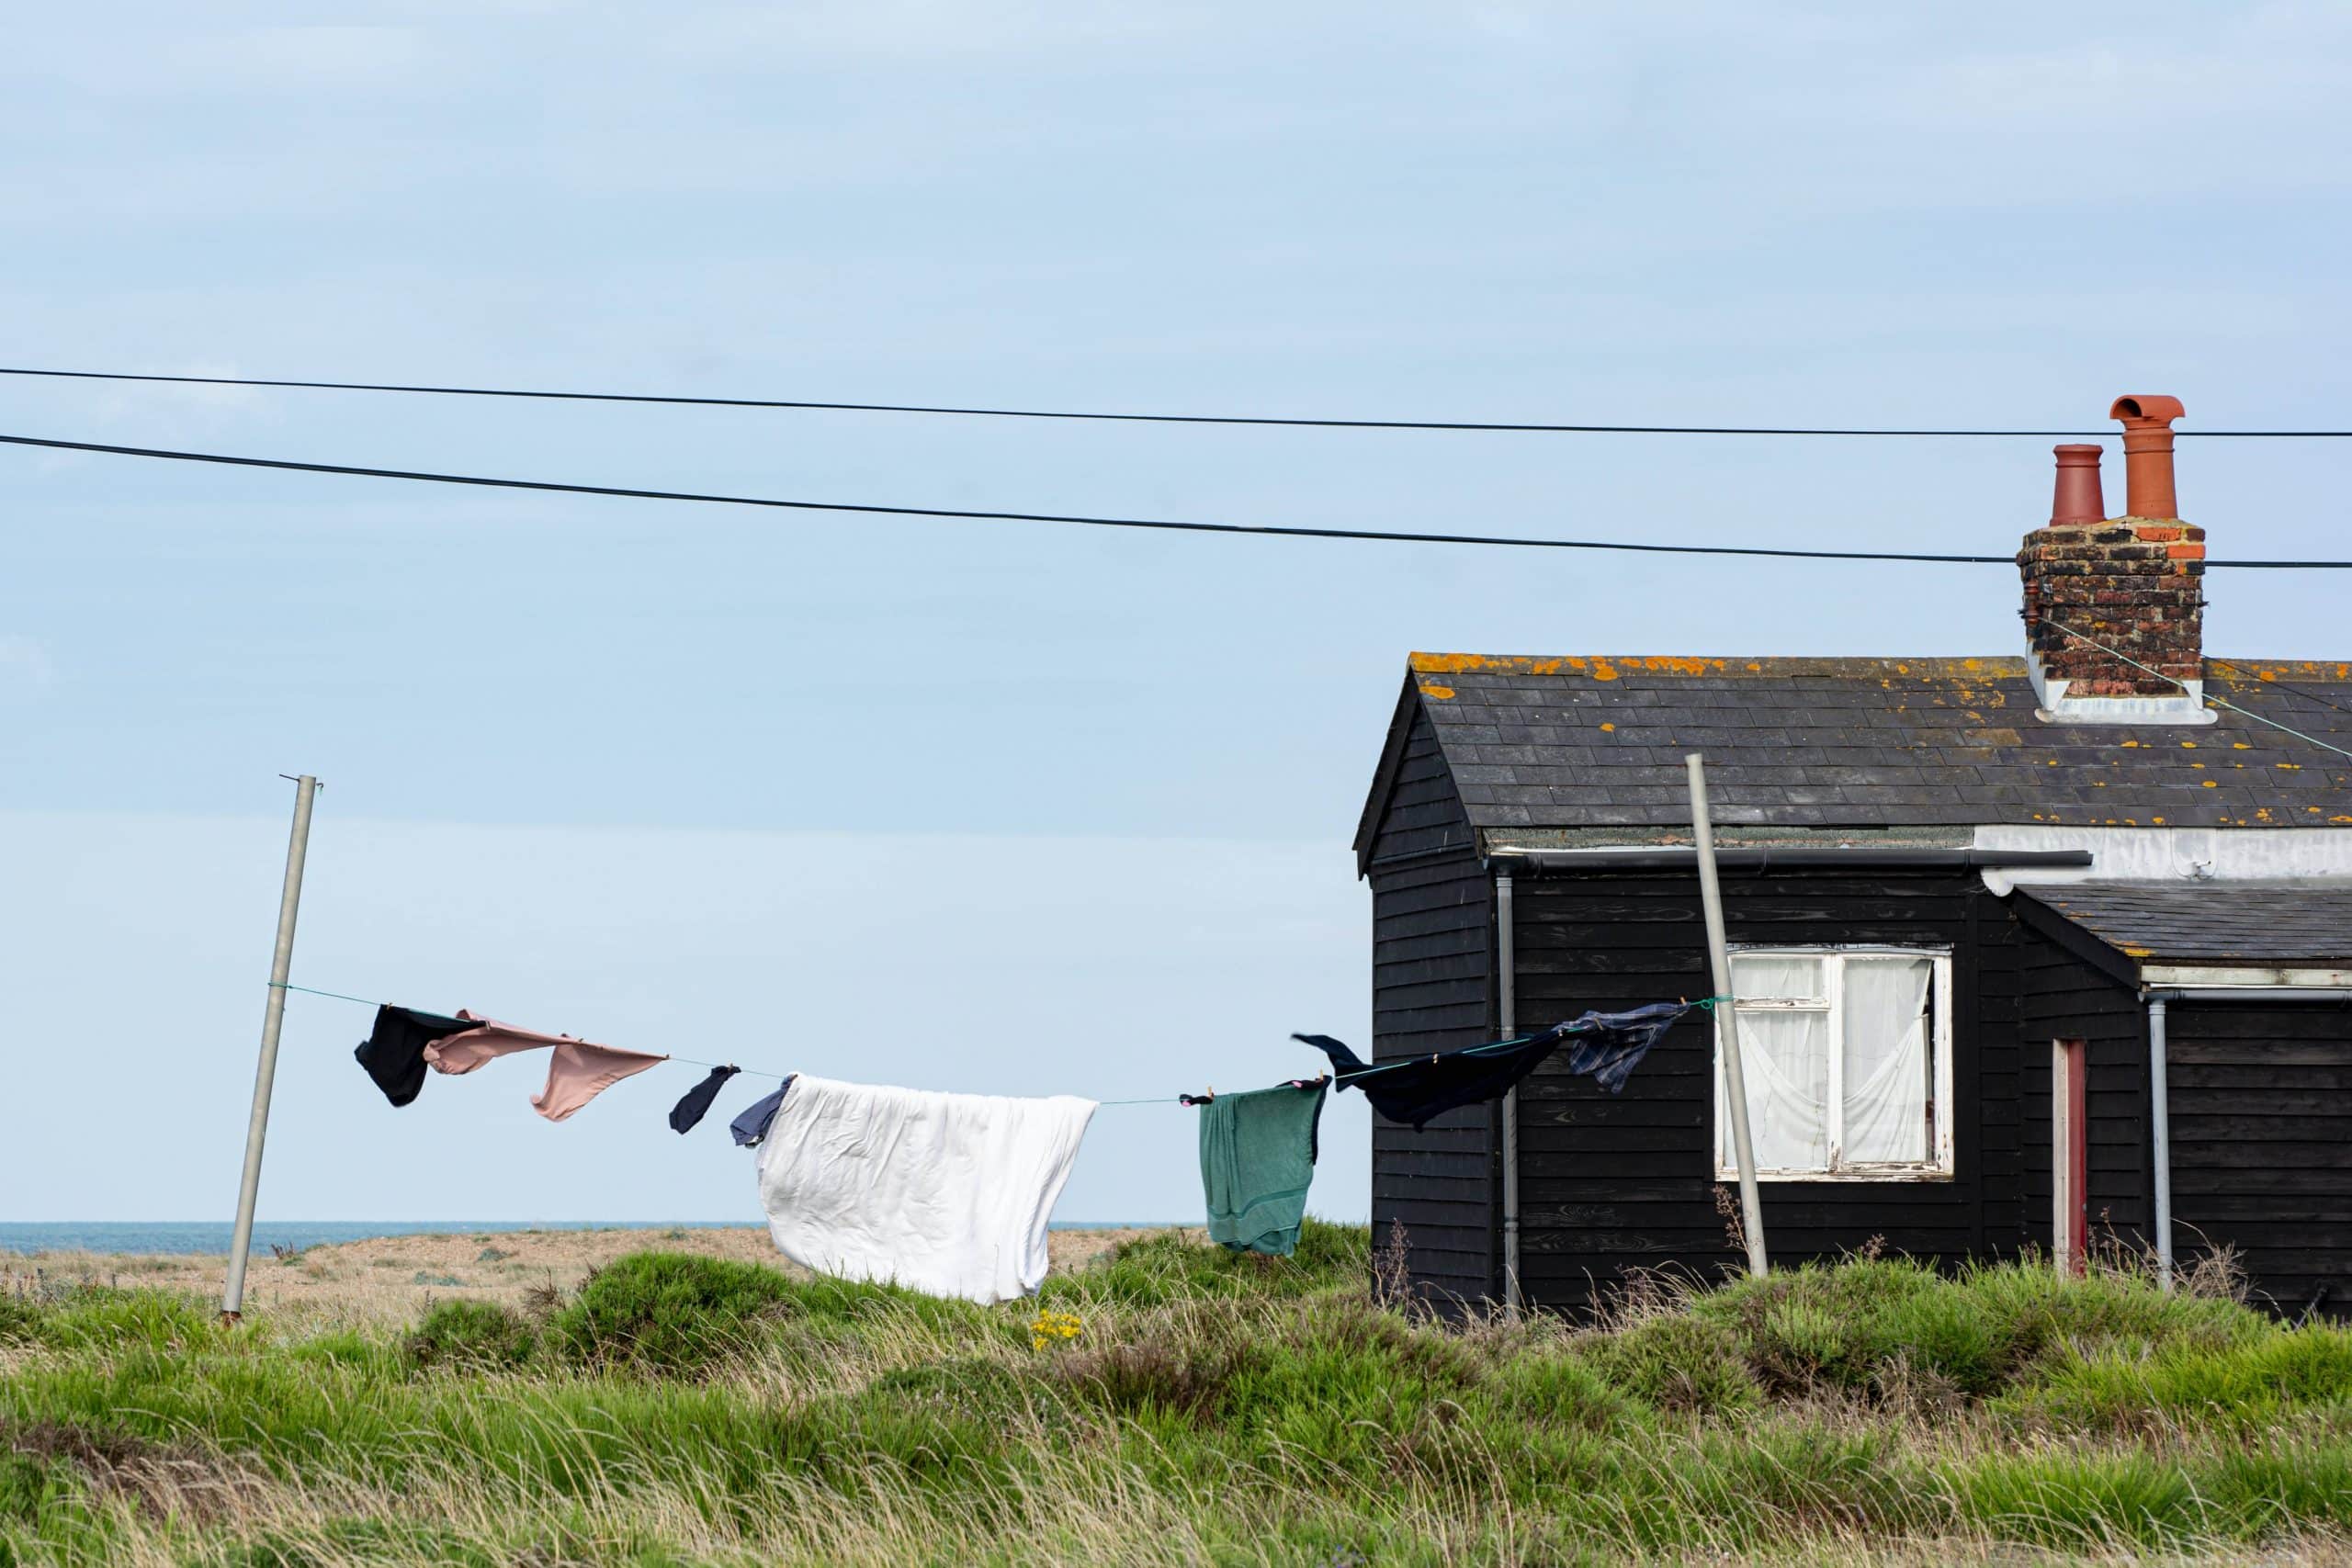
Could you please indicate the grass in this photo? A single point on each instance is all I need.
(1208, 1408)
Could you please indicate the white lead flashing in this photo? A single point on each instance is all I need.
(2170, 854)
(2053, 706)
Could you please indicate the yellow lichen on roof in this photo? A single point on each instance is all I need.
(1966, 674)
(1963, 670)
(1442, 693)
(1465, 663)
(2282, 668)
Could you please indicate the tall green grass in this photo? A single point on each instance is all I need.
(1213, 1408)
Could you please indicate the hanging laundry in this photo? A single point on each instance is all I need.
(753, 1125)
(944, 1193)
(1608, 1046)
(577, 1072)
(1258, 1151)
(695, 1104)
(393, 1053)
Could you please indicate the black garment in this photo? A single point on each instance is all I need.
(1607, 1046)
(1610, 1046)
(695, 1104)
(394, 1054)
(1426, 1087)
(753, 1125)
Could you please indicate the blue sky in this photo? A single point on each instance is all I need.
(995, 805)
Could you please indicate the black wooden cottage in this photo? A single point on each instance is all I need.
(2025, 956)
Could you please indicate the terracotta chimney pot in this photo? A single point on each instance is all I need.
(2078, 497)
(2147, 454)
(2115, 606)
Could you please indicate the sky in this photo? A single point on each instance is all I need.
(973, 805)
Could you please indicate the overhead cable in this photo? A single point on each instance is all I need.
(1499, 426)
(2303, 692)
(1270, 530)
(632, 493)
(2210, 700)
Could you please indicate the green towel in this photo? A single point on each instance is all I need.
(1257, 1161)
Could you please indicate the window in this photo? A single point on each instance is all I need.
(1847, 1053)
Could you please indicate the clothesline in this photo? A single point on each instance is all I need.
(952, 1193)
(689, 1061)
(1707, 1003)
(369, 1002)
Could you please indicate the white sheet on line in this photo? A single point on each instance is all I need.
(944, 1193)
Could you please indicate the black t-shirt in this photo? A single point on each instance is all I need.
(394, 1054)
(695, 1104)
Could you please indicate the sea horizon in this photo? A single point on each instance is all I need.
(197, 1237)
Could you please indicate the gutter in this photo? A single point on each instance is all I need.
(2159, 1094)
(1792, 857)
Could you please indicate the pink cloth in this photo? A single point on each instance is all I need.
(577, 1073)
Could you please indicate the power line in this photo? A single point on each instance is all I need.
(631, 493)
(2210, 700)
(2303, 692)
(1500, 427)
(1082, 519)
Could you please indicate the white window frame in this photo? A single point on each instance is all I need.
(1939, 1165)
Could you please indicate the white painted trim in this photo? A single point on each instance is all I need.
(2151, 853)
(2189, 975)
(1945, 1149)
(1854, 1173)
(1942, 1161)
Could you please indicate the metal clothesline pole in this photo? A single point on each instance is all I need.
(1711, 895)
(289, 899)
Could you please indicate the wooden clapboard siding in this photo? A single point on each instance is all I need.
(2260, 1096)
(2261, 1100)
(2065, 996)
(1610, 1185)
(1432, 990)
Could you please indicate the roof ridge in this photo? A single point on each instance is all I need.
(1609, 666)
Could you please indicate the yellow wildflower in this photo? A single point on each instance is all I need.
(1054, 1327)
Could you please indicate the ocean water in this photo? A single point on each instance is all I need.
(212, 1236)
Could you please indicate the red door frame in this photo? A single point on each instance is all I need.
(2070, 1154)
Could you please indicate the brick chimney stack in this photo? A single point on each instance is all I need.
(2134, 582)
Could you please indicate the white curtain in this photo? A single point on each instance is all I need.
(1778, 979)
(1885, 1059)
(1785, 1058)
(1784, 1055)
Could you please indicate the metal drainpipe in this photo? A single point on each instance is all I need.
(1507, 951)
(2160, 1123)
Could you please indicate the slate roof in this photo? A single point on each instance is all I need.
(1598, 741)
(2208, 921)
